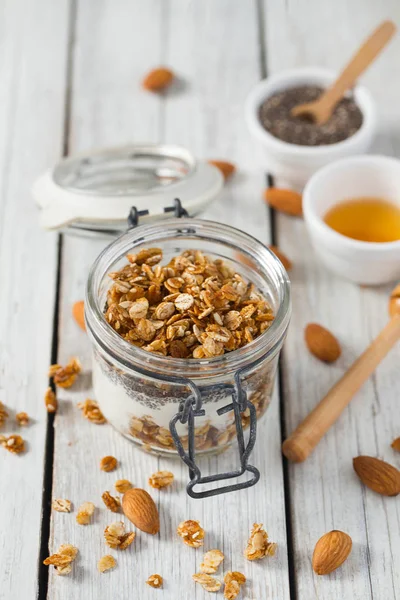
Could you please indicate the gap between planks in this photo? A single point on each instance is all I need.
(43, 571)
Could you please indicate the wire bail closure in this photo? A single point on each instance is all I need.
(191, 408)
(135, 214)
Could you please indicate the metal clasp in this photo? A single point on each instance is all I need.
(176, 208)
(192, 408)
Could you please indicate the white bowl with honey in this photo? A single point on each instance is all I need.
(352, 211)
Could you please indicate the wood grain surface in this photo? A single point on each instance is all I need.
(324, 492)
(71, 81)
(32, 98)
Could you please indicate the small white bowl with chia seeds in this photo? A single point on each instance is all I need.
(295, 149)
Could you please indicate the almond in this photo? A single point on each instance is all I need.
(394, 302)
(287, 201)
(396, 444)
(158, 79)
(140, 509)
(78, 311)
(322, 343)
(331, 551)
(227, 169)
(282, 257)
(378, 475)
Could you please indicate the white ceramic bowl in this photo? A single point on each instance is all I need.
(293, 164)
(363, 262)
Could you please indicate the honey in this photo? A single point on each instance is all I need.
(367, 219)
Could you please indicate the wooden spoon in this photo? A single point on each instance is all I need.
(320, 110)
(307, 435)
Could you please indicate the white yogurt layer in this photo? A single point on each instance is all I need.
(118, 407)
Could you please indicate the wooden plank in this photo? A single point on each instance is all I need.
(32, 93)
(115, 45)
(325, 493)
(207, 118)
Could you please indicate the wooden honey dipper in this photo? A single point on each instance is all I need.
(306, 436)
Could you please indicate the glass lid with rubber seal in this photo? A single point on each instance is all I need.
(92, 193)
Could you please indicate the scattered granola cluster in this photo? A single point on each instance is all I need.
(106, 563)
(65, 376)
(61, 505)
(258, 545)
(193, 307)
(209, 583)
(122, 486)
(13, 443)
(116, 537)
(22, 419)
(85, 513)
(91, 411)
(63, 559)
(3, 414)
(161, 479)
(50, 401)
(108, 463)
(111, 502)
(155, 581)
(191, 532)
(211, 561)
(233, 581)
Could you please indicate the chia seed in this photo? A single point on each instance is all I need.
(275, 117)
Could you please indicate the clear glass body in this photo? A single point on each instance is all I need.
(140, 392)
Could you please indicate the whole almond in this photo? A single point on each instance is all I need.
(282, 257)
(140, 509)
(227, 168)
(394, 302)
(331, 551)
(158, 79)
(287, 201)
(322, 343)
(78, 312)
(378, 475)
(396, 444)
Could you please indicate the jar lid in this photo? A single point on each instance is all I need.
(93, 193)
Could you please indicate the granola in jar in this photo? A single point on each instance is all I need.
(169, 316)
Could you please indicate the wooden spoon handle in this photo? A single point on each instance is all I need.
(307, 435)
(360, 61)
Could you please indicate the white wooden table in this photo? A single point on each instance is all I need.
(70, 80)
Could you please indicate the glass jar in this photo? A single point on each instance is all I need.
(141, 393)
